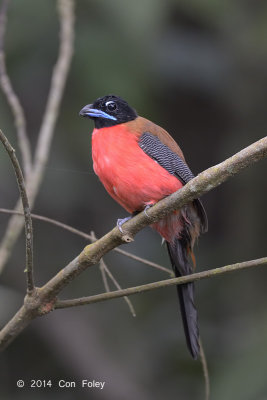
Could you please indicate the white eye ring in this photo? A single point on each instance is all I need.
(111, 105)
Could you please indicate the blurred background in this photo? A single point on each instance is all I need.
(199, 70)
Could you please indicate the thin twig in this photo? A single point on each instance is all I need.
(58, 81)
(103, 274)
(50, 221)
(116, 283)
(156, 285)
(26, 209)
(144, 261)
(106, 271)
(91, 237)
(12, 98)
(205, 370)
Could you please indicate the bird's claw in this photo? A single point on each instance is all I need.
(121, 221)
(146, 208)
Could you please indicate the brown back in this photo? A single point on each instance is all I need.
(141, 125)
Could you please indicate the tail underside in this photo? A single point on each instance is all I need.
(179, 252)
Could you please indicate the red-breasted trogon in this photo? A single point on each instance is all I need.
(139, 163)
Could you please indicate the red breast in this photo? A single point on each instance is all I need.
(129, 175)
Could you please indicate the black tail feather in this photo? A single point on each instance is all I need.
(178, 253)
(202, 215)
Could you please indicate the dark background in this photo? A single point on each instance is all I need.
(199, 69)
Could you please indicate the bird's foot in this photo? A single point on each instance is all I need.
(121, 221)
(148, 205)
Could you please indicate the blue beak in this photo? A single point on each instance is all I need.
(90, 112)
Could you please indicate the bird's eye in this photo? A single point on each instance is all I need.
(111, 105)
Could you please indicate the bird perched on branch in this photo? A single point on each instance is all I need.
(139, 163)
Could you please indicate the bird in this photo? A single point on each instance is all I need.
(139, 163)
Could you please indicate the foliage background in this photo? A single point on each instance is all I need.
(199, 70)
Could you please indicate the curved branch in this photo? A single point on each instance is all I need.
(26, 209)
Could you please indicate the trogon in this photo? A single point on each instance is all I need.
(139, 163)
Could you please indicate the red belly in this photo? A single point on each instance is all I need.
(129, 175)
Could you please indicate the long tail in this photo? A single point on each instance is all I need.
(179, 253)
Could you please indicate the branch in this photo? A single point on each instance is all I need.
(144, 261)
(12, 98)
(205, 370)
(26, 209)
(103, 275)
(43, 300)
(160, 284)
(58, 81)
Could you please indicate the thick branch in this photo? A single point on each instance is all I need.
(203, 183)
(160, 284)
(26, 209)
(15, 326)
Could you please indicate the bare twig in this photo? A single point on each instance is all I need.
(91, 237)
(44, 299)
(26, 209)
(50, 221)
(156, 285)
(103, 274)
(144, 261)
(12, 98)
(116, 283)
(58, 81)
(205, 370)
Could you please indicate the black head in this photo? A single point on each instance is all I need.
(109, 111)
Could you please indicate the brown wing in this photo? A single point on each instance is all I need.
(174, 164)
(141, 125)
